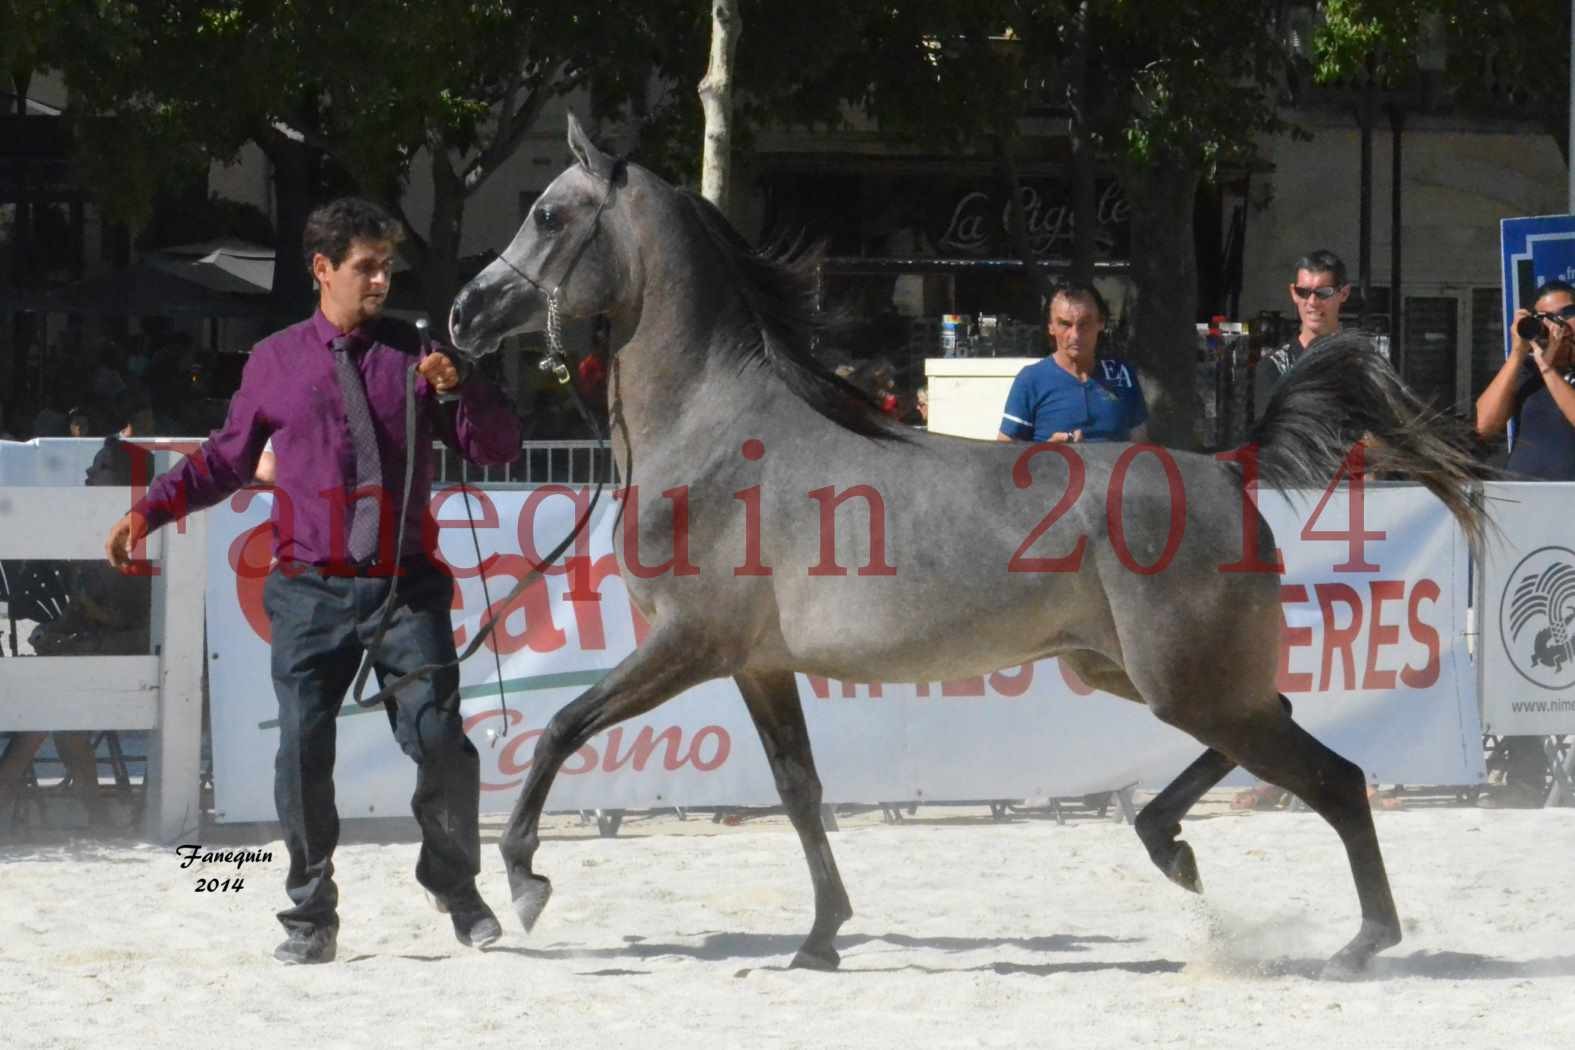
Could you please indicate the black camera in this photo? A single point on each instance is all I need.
(1530, 326)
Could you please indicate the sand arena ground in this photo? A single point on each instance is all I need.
(966, 933)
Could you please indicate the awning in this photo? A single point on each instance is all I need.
(230, 266)
(142, 289)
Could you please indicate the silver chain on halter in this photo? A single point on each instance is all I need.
(555, 360)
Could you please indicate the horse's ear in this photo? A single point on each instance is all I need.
(587, 153)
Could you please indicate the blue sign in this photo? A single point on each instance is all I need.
(1535, 251)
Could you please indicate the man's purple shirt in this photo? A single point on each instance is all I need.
(289, 393)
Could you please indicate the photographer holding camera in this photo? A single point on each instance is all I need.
(1535, 389)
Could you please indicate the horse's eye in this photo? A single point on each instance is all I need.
(547, 219)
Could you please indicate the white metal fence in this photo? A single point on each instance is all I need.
(540, 463)
(160, 691)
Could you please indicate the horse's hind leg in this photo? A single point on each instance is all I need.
(773, 703)
(663, 667)
(1275, 748)
(1159, 824)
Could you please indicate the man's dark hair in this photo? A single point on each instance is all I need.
(115, 463)
(1554, 285)
(332, 227)
(1078, 290)
(1323, 261)
(85, 415)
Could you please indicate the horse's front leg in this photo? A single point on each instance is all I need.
(670, 661)
(774, 705)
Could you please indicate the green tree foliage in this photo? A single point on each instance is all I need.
(370, 89)
(1503, 57)
(1167, 92)
(363, 94)
(1164, 90)
(1513, 55)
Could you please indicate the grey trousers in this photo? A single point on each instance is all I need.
(321, 626)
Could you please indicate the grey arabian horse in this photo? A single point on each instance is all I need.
(806, 535)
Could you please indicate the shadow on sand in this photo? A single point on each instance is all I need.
(775, 950)
(727, 947)
(1438, 966)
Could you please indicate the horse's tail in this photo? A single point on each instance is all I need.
(1343, 392)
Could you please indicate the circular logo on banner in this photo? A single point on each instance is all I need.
(1536, 617)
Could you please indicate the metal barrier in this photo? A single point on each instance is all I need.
(161, 691)
(540, 463)
(62, 461)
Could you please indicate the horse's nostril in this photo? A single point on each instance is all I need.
(457, 314)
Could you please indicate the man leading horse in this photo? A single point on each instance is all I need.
(330, 392)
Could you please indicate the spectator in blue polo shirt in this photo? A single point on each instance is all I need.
(1075, 395)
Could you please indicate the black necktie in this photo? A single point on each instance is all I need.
(368, 465)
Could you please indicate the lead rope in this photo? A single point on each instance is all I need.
(401, 682)
(486, 600)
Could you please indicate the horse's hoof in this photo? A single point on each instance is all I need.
(1346, 966)
(1355, 960)
(530, 897)
(824, 959)
(1183, 868)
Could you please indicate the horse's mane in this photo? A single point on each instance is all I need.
(777, 284)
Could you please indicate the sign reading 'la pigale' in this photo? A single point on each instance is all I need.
(975, 220)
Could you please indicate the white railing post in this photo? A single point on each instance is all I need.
(174, 773)
(161, 692)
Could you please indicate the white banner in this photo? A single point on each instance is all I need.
(1374, 660)
(1526, 615)
(47, 461)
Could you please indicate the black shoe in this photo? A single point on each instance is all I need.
(474, 924)
(306, 946)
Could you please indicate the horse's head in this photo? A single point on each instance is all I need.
(570, 244)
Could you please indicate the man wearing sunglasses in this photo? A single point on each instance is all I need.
(1318, 293)
(1534, 388)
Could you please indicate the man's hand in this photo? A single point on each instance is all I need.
(439, 371)
(127, 535)
(1517, 345)
(1555, 355)
(1066, 435)
(1544, 361)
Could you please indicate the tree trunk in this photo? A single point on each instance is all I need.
(292, 296)
(716, 98)
(1036, 284)
(1165, 271)
(1364, 234)
(1085, 203)
(440, 267)
(1085, 206)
